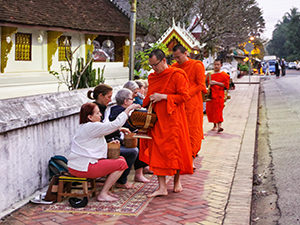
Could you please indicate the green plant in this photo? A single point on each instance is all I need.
(83, 77)
(142, 57)
(86, 76)
(243, 67)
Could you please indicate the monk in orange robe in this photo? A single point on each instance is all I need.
(214, 108)
(168, 153)
(194, 107)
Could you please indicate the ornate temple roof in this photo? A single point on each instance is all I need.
(182, 35)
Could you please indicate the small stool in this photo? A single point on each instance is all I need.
(65, 187)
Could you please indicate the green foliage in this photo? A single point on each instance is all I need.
(243, 67)
(84, 76)
(142, 57)
(286, 37)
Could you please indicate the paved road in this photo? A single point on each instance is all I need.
(282, 99)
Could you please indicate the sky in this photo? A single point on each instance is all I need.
(273, 11)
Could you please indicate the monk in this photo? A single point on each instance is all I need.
(214, 108)
(194, 107)
(168, 153)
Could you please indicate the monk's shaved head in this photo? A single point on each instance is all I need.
(160, 55)
(180, 48)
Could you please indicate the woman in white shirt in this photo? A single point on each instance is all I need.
(88, 157)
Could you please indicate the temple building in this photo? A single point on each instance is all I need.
(34, 35)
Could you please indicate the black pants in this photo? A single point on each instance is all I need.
(130, 155)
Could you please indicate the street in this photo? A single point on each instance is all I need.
(277, 173)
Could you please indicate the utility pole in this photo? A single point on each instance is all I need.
(132, 38)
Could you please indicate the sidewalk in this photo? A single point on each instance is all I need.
(219, 192)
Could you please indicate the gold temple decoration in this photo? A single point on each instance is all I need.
(52, 45)
(6, 47)
(64, 47)
(89, 47)
(23, 46)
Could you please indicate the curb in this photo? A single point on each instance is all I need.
(238, 209)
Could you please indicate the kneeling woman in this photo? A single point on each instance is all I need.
(88, 157)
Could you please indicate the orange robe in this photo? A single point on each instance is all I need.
(169, 149)
(194, 107)
(214, 108)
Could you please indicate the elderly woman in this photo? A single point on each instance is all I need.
(88, 157)
(124, 99)
(141, 92)
(132, 86)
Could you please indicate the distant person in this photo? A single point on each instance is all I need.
(268, 69)
(283, 71)
(277, 71)
(214, 108)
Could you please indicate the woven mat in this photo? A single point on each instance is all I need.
(131, 201)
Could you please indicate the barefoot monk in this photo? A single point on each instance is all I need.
(194, 107)
(168, 153)
(214, 108)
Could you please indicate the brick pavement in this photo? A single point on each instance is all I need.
(219, 192)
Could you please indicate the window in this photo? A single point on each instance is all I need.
(23, 47)
(64, 47)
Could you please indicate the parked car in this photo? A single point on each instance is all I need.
(271, 66)
(298, 66)
(292, 65)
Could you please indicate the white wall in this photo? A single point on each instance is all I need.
(38, 54)
(32, 129)
(114, 72)
(39, 61)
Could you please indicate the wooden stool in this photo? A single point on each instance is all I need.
(65, 187)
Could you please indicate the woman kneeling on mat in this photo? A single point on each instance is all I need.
(88, 157)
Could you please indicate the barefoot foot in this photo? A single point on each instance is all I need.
(178, 188)
(141, 179)
(147, 170)
(113, 195)
(158, 193)
(106, 198)
(124, 186)
(220, 130)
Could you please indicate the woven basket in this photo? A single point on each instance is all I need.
(113, 150)
(130, 141)
(206, 97)
(143, 119)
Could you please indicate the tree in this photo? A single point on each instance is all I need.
(286, 37)
(157, 16)
(228, 23)
(222, 22)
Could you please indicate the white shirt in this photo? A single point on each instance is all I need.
(89, 144)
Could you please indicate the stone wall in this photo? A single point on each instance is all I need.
(32, 129)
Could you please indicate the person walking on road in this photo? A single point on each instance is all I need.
(277, 71)
(194, 107)
(168, 153)
(214, 108)
(268, 69)
(282, 64)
